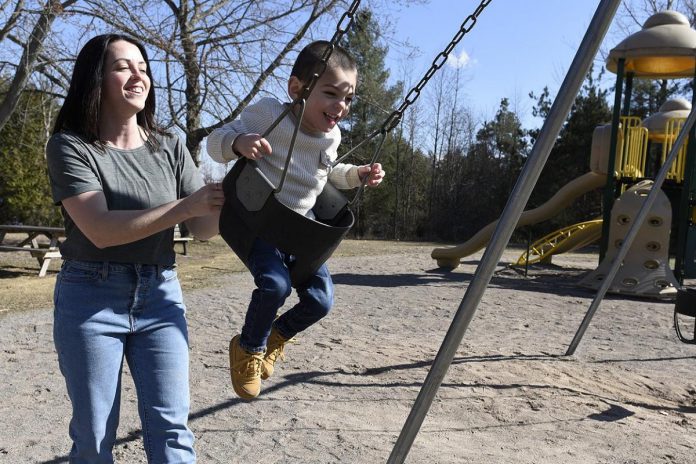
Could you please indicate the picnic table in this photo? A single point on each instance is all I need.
(29, 242)
(182, 236)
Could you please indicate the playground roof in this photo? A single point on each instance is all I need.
(671, 109)
(664, 49)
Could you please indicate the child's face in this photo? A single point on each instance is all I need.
(329, 101)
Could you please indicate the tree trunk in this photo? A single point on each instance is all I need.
(29, 57)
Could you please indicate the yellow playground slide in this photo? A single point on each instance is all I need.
(451, 256)
(562, 241)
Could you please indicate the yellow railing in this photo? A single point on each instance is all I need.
(632, 148)
(672, 128)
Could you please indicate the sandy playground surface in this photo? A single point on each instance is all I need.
(628, 395)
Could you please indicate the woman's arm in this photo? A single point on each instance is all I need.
(204, 227)
(107, 228)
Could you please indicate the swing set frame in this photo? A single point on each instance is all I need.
(518, 198)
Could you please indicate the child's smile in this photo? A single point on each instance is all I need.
(329, 101)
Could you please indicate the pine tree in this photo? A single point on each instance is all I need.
(373, 103)
(570, 156)
(24, 188)
(494, 161)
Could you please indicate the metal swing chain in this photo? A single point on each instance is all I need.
(348, 18)
(395, 117)
(438, 62)
(301, 100)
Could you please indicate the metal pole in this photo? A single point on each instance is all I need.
(632, 232)
(508, 221)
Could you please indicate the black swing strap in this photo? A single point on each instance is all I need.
(344, 24)
(685, 305)
(395, 117)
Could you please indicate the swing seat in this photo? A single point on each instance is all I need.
(252, 211)
(685, 305)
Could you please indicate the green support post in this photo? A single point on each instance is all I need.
(609, 189)
(686, 238)
(626, 108)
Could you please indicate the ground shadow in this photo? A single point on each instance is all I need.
(398, 280)
(613, 413)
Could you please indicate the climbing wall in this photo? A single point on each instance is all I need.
(645, 271)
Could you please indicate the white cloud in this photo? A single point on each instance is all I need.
(459, 61)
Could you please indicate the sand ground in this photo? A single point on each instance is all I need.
(628, 395)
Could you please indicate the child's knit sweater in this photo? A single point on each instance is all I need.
(312, 156)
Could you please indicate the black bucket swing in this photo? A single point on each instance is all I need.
(685, 305)
(252, 211)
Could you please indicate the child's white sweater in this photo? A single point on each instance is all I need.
(312, 156)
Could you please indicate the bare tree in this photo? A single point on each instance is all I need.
(31, 50)
(213, 57)
(10, 17)
(635, 12)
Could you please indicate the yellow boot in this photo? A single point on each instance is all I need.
(274, 350)
(245, 370)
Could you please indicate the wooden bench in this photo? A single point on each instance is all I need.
(183, 239)
(29, 242)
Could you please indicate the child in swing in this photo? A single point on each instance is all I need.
(254, 352)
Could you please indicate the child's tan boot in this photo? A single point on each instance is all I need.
(274, 350)
(245, 369)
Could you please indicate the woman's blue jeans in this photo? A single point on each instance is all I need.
(270, 268)
(103, 313)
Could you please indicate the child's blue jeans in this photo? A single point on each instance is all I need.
(103, 313)
(270, 268)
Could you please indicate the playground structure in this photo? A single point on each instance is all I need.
(597, 177)
(563, 240)
(663, 49)
(636, 149)
(645, 270)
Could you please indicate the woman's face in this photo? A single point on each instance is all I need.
(126, 84)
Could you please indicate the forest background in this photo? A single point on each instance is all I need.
(450, 170)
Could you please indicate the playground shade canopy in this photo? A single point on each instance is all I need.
(665, 48)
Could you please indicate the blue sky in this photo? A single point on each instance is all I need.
(517, 46)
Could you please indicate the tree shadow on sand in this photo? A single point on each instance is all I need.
(540, 278)
(553, 280)
(324, 378)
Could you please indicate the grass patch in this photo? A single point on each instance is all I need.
(22, 289)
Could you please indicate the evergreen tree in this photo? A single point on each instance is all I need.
(648, 95)
(570, 156)
(24, 189)
(483, 179)
(375, 100)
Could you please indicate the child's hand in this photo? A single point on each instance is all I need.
(376, 175)
(251, 146)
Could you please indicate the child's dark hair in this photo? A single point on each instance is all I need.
(309, 58)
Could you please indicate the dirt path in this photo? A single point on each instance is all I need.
(343, 394)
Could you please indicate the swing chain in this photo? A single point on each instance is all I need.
(301, 100)
(393, 119)
(341, 29)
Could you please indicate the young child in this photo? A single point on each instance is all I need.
(253, 353)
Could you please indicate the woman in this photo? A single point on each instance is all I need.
(123, 185)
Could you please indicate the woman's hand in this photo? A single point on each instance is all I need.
(206, 200)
